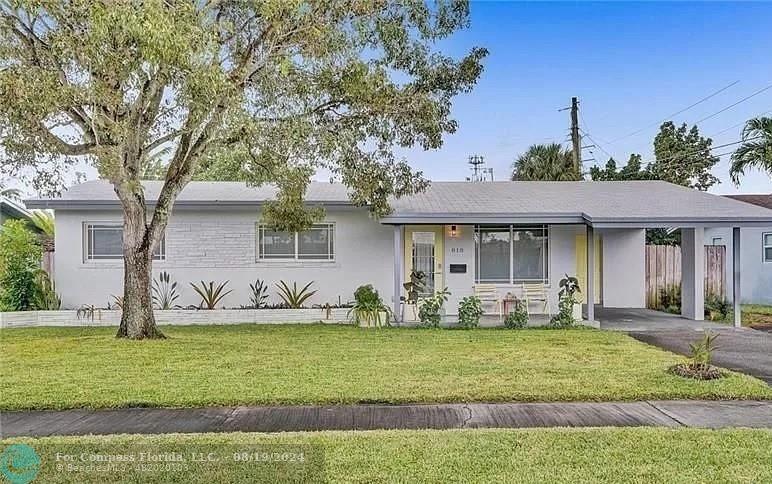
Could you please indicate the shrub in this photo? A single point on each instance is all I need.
(469, 312)
(670, 299)
(716, 308)
(430, 307)
(368, 308)
(565, 316)
(293, 297)
(518, 318)
(46, 298)
(20, 255)
(366, 294)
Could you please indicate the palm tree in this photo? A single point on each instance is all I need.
(550, 162)
(756, 150)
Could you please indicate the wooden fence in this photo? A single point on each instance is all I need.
(663, 270)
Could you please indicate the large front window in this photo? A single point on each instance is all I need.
(510, 254)
(316, 243)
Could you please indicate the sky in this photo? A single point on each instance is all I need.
(631, 65)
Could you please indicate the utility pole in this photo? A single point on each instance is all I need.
(576, 140)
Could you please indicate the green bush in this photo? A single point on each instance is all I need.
(716, 308)
(429, 308)
(518, 318)
(469, 312)
(670, 299)
(367, 295)
(565, 317)
(46, 298)
(20, 254)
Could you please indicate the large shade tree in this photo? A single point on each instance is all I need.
(545, 162)
(683, 156)
(756, 149)
(277, 88)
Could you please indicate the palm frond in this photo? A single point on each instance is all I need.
(756, 151)
(43, 220)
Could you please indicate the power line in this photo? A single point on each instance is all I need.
(670, 116)
(598, 144)
(700, 151)
(739, 124)
(735, 104)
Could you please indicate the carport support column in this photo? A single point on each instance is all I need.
(693, 273)
(736, 263)
(399, 269)
(590, 273)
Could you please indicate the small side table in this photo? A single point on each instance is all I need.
(508, 303)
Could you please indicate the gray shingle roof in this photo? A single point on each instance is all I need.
(195, 192)
(445, 202)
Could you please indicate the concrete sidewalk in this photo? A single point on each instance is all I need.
(712, 414)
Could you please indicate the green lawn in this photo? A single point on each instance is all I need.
(638, 455)
(322, 364)
(756, 314)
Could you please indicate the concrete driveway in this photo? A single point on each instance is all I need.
(740, 349)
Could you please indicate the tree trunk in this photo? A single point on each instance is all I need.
(137, 318)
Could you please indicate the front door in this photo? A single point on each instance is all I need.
(423, 252)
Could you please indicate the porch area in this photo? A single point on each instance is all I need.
(501, 263)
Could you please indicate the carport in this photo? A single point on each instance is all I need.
(692, 212)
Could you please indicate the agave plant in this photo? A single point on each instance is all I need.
(210, 294)
(292, 297)
(117, 302)
(165, 292)
(259, 294)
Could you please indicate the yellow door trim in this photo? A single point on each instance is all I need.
(581, 265)
(439, 251)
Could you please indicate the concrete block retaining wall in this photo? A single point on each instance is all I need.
(29, 319)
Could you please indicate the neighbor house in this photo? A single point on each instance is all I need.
(12, 210)
(464, 235)
(756, 243)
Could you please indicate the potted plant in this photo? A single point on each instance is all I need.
(569, 286)
(413, 288)
(368, 310)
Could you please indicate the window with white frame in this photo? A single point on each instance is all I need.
(316, 243)
(767, 246)
(510, 254)
(104, 241)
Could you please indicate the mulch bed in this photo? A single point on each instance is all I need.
(697, 372)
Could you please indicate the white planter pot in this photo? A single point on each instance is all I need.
(371, 324)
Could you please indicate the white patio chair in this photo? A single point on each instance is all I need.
(536, 293)
(488, 293)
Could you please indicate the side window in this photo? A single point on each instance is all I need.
(104, 241)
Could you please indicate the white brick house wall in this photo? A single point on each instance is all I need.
(221, 245)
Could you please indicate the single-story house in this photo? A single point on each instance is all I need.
(462, 234)
(756, 266)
